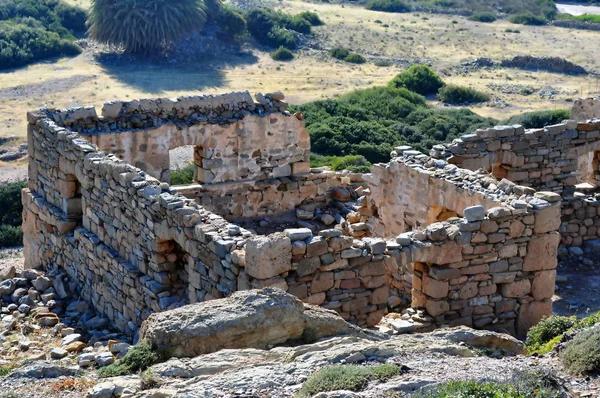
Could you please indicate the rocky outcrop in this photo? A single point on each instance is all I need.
(247, 319)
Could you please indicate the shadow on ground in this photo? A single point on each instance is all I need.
(577, 289)
(157, 77)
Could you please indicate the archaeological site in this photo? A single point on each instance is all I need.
(466, 235)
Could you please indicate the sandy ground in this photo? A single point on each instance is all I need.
(574, 9)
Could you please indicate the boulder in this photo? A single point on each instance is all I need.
(46, 370)
(7, 272)
(246, 319)
(482, 339)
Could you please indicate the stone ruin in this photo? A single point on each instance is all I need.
(468, 235)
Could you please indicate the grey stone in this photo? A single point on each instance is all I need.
(298, 233)
(58, 353)
(474, 213)
(104, 359)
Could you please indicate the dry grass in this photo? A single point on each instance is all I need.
(72, 384)
(313, 74)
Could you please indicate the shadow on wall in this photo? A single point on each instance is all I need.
(156, 77)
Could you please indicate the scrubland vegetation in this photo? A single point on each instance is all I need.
(32, 30)
(10, 214)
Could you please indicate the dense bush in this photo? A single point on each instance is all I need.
(32, 30)
(346, 377)
(528, 19)
(418, 78)
(183, 175)
(339, 53)
(144, 26)
(542, 337)
(387, 5)
(139, 358)
(540, 119)
(282, 54)
(483, 17)
(457, 95)
(11, 211)
(276, 28)
(311, 17)
(355, 59)
(354, 163)
(371, 122)
(546, 8)
(582, 354)
(548, 329)
(231, 20)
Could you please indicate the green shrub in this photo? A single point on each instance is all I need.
(591, 18)
(139, 358)
(548, 329)
(32, 30)
(275, 28)
(279, 36)
(418, 78)
(11, 210)
(483, 17)
(311, 17)
(582, 354)
(354, 163)
(347, 377)
(355, 59)
(183, 175)
(10, 236)
(282, 54)
(528, 386)
(383, 63)
(539, 119)
(387, 5)
(144, 26)
(528, 19)
(457, 95)
(232, 21)
(339, 53)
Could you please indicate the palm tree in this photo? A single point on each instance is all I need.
(144, 25)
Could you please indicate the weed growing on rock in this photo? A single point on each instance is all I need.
(139, 358)
(346, 377)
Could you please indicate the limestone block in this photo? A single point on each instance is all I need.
(437, 307)
(530, 314)
(542, 252)
(543, 285)
(547, 220)
(268, 256)
(434, 288)
(516, 289)
(322, 282)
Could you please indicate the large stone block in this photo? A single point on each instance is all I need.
(530, 314)
(547, 220)
(516, 289)
(542, 252)
(268, 256)
(543, 285)
(434, 288)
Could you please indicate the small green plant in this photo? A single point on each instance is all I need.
(148, 380)
(528, 19)
(418, 78)
(282, 54)
(582, 354)
(339, 53)
(7, 369)
(139, 358)
(183, 175)
(544, 336)
(457, 95)
(591, 18)
(387, 5)
(355, 59)
(346, 377)
(354, 163)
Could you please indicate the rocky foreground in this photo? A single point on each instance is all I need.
(263, 343)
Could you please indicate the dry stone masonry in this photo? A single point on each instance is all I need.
(467, 246)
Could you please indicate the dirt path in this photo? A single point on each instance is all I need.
(51, 86)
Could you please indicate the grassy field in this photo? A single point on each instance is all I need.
(433, 39)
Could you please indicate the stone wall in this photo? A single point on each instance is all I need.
(467, 247)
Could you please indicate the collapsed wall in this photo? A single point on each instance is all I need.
(468, 248)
